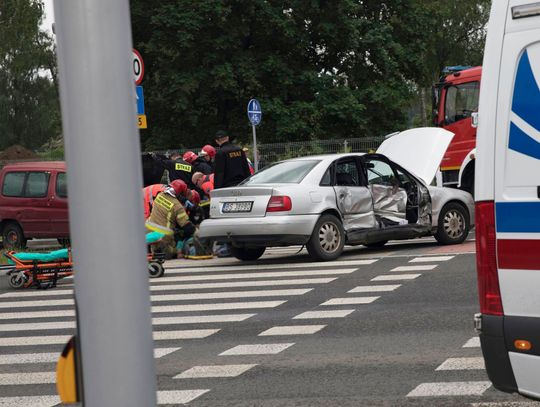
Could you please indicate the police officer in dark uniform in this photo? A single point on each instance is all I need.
(231, 166)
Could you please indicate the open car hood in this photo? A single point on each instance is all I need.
(419, 150)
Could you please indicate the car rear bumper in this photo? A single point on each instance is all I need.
(263, 231)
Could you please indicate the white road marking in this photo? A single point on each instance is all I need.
(29, 401)
(160, 352)
(36, 303)
(251, 283)
(363, 262)
(37, 314)
(374, 288)
(324, 314)
(430, 259)
(292, 330)
(506, 404)
(230, 294)
(257, 349)
(450, 389)
(463, 364)
(217, 306)
(271, 274)
(198, 372)
(474, 342)
(201, 319)
(184, 334)
(179, 396)
(12, 379)
(38, 326)
(350, 301)
(423, 267)
(34, 293)
(397, 277)
(35, 340)
(20, 358)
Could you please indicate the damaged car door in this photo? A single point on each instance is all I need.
(352, 195)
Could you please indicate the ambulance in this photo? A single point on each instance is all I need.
(507, 194)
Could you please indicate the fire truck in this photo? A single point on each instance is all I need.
(455, 99)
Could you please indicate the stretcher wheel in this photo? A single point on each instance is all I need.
(155, 269)
(17, 280)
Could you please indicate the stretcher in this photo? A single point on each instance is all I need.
(43, 270)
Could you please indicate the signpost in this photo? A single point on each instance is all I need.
(141, 116)
(255, 116)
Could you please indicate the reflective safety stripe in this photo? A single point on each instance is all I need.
(158, 228)
(182, 218)
(182, 167)
(205, 203)
(163, 202)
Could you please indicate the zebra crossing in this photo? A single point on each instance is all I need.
(34, 325)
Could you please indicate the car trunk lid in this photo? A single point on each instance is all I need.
(418, 150)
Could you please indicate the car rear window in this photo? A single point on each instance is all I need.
(286, 172)
(13, 184)
(37, 184)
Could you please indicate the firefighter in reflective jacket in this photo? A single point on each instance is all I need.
(204, 182)
(167, 215)
(151, 192)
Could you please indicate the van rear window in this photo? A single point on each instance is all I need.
(13, 184)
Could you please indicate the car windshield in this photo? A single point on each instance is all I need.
(287, 172)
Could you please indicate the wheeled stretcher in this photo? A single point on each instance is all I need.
(43, 270)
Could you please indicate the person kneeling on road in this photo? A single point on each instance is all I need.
(167, 215)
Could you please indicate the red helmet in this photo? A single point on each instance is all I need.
(195, 197)
(189, 157)
(208, 149)
(179, 186)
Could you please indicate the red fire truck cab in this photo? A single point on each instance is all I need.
(455, 99)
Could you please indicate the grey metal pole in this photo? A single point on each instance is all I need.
(106, 214)
(255, 154)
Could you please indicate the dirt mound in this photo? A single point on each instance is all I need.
(17, 152)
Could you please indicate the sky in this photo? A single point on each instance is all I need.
(49, 16)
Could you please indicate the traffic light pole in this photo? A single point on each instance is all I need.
(105, 205)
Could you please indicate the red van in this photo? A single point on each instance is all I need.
(33, 202)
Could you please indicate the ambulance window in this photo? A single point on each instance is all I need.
(461, 101)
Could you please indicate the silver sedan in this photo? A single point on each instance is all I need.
(325, 202)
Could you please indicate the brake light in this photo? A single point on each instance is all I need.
(279, 204)
(486, 260)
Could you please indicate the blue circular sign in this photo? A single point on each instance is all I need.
(254, 112)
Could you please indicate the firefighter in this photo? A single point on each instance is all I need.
(231, 166)
(178, 168)
(205, 162)
(166, 216)
(204, 182)
(150, 192)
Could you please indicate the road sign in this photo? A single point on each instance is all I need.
(138, 67)
(141, 121)
(140, 100)
(254, 112)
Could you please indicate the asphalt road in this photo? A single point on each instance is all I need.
(287, 332)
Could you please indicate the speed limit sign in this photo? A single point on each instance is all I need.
(138, 67)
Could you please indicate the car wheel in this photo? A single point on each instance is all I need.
(246, 254)
(13, 237)
(327, 240)
(453, 224)
(376, 245)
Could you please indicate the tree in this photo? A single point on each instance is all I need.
(29, 109)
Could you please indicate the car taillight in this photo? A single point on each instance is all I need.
(279, 204)
(486, 260)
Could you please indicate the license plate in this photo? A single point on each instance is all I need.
(229, 207)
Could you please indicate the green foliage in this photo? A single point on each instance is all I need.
(29, 110)
(321, 69)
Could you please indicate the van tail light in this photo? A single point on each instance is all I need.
(486, 260)
(279, 204)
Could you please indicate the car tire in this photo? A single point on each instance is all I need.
(247, 253)
(376, 245)
(13, 237)
(327, 240)
(453, 224)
